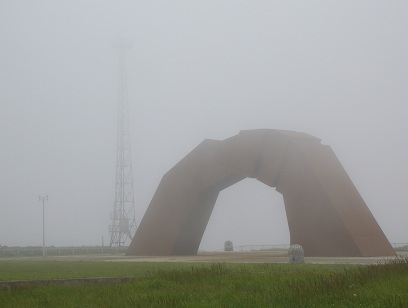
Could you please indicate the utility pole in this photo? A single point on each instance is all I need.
(43, 199)
(123, 222)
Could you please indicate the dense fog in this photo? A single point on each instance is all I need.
(337, 70)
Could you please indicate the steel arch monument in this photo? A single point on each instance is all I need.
(325, 212)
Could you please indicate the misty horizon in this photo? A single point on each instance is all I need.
(196, 71)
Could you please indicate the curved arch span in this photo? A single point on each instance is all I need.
(325, 212)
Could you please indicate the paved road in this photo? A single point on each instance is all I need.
(228, 257)
(252, 257)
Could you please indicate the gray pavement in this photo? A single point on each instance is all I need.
(227, 257)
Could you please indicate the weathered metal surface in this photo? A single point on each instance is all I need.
(326, 214)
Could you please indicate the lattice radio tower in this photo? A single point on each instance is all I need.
(123, 223)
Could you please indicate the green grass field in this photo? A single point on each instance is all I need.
(207, 285)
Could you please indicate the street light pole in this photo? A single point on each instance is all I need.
(43, 199)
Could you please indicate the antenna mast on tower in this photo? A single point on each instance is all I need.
(123, 223)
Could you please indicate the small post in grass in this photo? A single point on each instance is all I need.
(296, 254)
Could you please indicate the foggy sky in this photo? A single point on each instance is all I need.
(337, 70)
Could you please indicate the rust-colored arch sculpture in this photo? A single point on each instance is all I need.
(325, 212)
